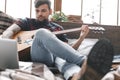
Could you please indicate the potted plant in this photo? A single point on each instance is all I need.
(59, 16)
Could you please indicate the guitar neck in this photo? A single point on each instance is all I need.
(70, 30)
(66, 31)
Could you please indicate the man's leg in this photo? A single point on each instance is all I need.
(39, 54)
(45, 43)
(67, 69)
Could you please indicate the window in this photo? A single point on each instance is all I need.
(2, 5)
(109, 12)
(98, 11)
(91, 11)
(33, 10)
(119, 14)
(18, 8)
(71, 7)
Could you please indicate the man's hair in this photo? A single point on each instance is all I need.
(41, 2)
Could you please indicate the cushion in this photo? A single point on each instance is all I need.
(5, 21)
(85, 46)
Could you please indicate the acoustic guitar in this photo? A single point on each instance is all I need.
(24, 38)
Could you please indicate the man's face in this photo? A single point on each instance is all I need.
(43, 12)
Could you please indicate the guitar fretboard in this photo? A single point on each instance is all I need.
(78, 29)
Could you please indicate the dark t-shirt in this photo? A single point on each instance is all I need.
(28, 24)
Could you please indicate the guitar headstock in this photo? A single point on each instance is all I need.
(97, 29)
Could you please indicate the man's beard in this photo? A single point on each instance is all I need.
(43, 21)
(41, 18)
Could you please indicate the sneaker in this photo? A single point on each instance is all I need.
(98, 63)
(99, 60)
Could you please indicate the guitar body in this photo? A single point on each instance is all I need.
(22, 38)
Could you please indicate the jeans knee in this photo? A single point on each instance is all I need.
(42, 32)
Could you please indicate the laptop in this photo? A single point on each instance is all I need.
(8, 54)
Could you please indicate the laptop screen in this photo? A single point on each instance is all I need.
(8, 54)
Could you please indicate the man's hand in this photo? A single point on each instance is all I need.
(83, 34)
(84, 31)
(12, 30)
(7, 34)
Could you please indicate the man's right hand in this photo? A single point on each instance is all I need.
(7, 34)
(11, 31)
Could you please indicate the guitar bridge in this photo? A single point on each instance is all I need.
(19, 40)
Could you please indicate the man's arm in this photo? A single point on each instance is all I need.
(83, 34)
(12, 30)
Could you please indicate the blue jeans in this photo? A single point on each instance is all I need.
(48, 49)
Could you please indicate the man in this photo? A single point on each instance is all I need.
(50, 50)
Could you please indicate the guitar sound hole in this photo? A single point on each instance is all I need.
(32, 36)
(19, 40)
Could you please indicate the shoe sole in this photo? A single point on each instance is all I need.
(101, 56)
